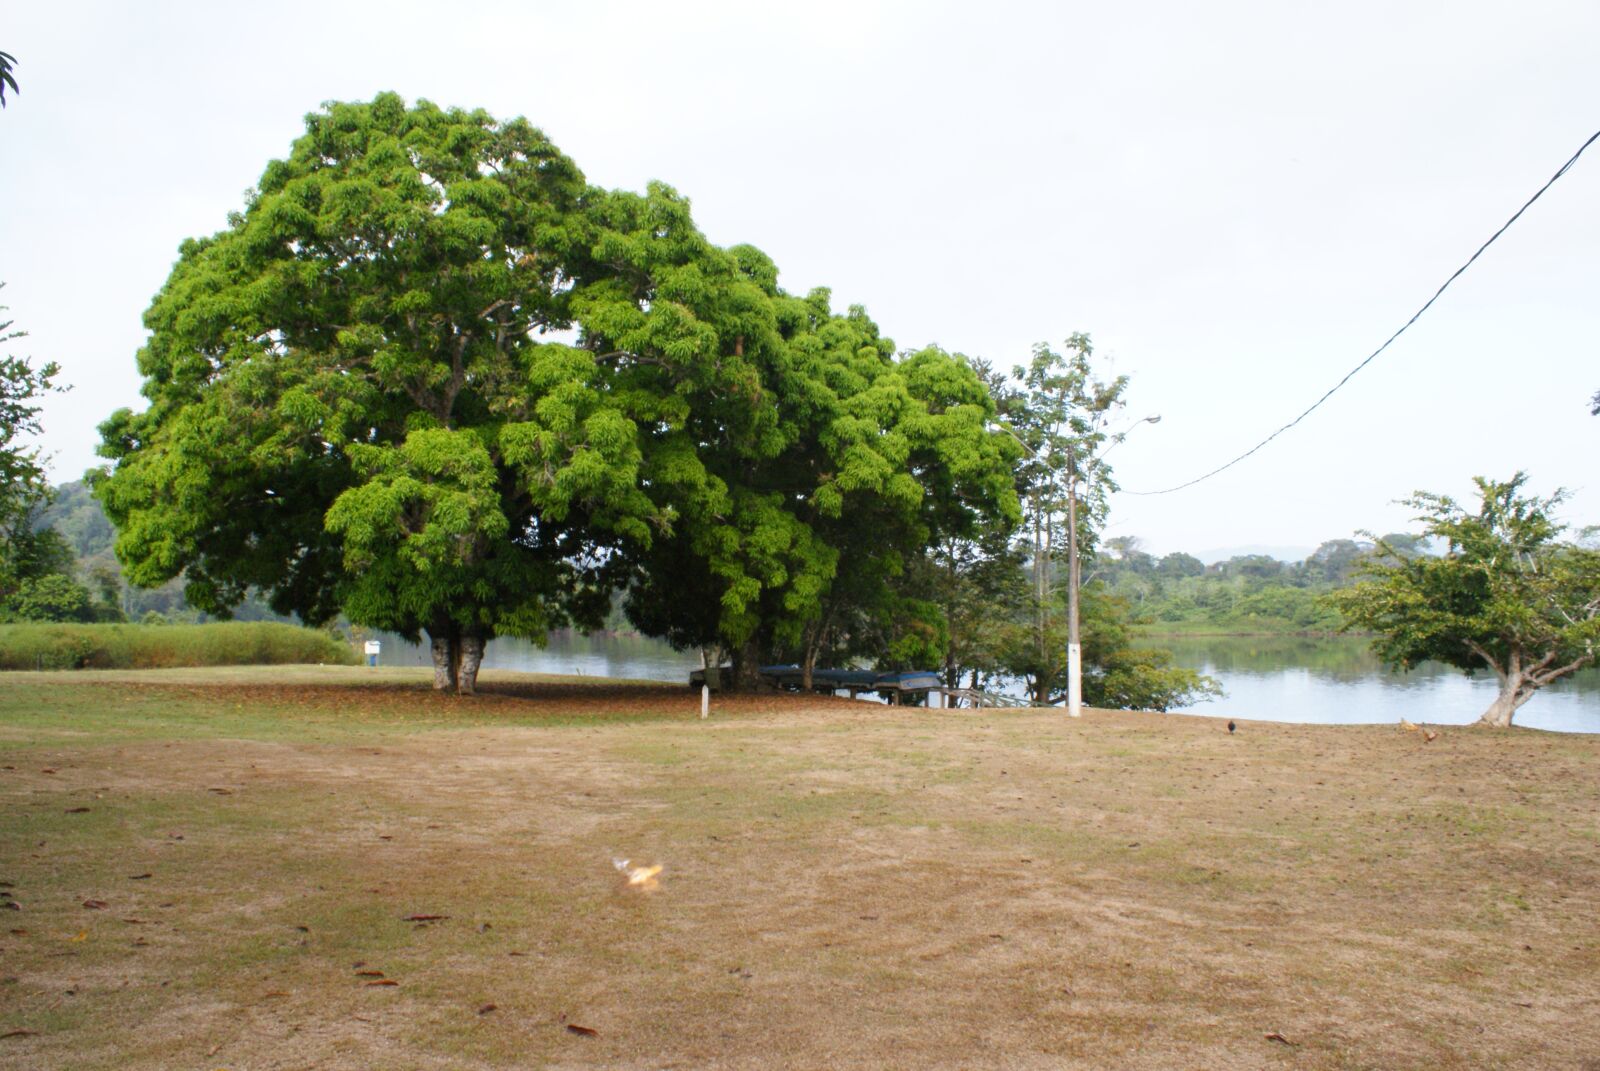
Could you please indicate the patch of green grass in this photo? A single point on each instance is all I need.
(36, 646)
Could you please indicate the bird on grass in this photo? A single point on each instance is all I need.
(639, 877)
(1231, 727)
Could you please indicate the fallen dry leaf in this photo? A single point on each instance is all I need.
(78, 810)
(487, 1008)
(425, 918)
(582, 1031)
(369, 974)
(139, 877)
(1275, 1036)
(81, 935)
(221, 791)
(384, 981)
(94, 905)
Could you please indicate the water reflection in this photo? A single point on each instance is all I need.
(1290, 678)
(599, 655)
(1338, 680)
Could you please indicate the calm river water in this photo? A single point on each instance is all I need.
(1272, 678)
(1337, 680)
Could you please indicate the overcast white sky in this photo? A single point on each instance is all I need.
(1238, 201)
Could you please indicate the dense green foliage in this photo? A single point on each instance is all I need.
(431, 378)
(35, 562)
(1507, 594)
(1002, 594)
(1245, 594)
(225, 643)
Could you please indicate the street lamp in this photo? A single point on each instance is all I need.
(1074, 648)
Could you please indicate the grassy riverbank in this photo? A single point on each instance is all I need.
(205, 862)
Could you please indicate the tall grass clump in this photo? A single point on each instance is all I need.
(223, 643)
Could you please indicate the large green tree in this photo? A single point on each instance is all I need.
(1506, 595)
(432, 378)
(361, 397)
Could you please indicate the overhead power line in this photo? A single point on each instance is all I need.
(1414, 317)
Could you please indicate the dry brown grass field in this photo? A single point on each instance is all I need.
(334, 868)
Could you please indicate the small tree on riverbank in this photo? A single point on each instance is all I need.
(1507, 595)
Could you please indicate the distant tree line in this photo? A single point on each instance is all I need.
(1245, 593)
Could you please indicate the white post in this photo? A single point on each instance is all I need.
(1075, 680)
(705, 700)
(1074, 646)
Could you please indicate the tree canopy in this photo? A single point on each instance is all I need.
(1506, 595)
(430, 377)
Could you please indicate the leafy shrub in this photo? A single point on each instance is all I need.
(53, 597)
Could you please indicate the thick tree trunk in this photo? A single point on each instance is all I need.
(1520, 677)
(746, 669)
(1517, 687)
(471, 651)
(442, 642)
(1515, 690)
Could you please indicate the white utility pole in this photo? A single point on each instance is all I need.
(1074, 647)
(1074, 574)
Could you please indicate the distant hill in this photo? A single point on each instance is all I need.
(1282, 553)
(77, 515)
(80, 520)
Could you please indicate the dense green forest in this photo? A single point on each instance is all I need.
(1250, 593)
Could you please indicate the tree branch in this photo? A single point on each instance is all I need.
(1556, 674)
(1488, 660)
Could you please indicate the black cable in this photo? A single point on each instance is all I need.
(1414, 316)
